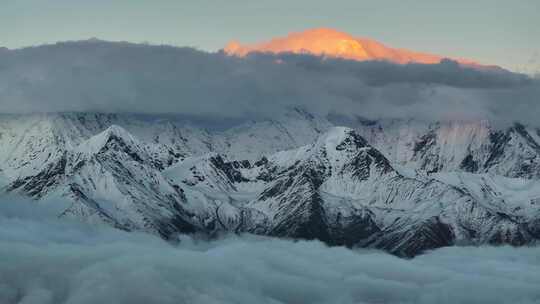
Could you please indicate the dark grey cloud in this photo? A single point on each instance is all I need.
(122, 77)
(48, 260)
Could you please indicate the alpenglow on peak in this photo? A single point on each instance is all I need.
(334, 43)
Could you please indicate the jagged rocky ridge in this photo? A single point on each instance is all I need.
(296, 177)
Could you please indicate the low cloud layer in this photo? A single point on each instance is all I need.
(48, 260)
(122, 77)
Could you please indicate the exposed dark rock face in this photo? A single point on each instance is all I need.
(230, 168)
(469, 164)
(425, 143)
(410, 239)
(498, 140)
(37, 185)
(117, 144)
(352, 141)
(353, 230)
(300, 211)
(426, 151)
(363, 162)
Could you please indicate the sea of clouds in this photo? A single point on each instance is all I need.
(123, 77)
(46, 260)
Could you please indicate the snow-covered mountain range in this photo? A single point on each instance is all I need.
(399, 185)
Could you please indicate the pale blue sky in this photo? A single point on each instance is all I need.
(500, 32)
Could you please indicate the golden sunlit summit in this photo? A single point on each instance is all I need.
(333, 43)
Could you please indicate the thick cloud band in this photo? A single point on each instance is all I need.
(122, 77)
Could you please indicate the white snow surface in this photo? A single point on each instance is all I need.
(140, 173)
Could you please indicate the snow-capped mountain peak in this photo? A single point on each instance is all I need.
(340, 138)
(378, 184)
(114, 132)
(334, 43)
(116, 138)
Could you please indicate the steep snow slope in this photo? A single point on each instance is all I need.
(255, 139)
(294, 176)
(111, 178)
(412, 212)
(343, 191)
(517, 196)
(476, 147)
(27, 143)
